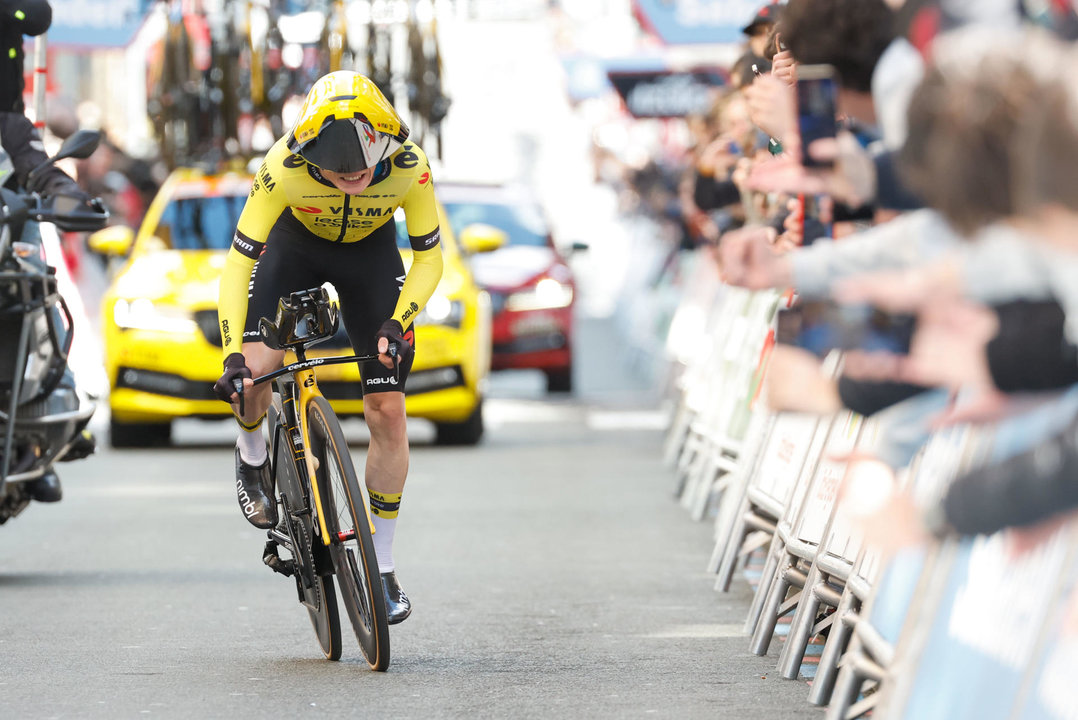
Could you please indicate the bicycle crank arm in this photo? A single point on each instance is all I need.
(279, 537)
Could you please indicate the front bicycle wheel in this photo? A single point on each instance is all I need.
(344, 503)
(313, 583)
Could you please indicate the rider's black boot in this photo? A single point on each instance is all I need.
(398, 606)
(45, 488)
(254, 491)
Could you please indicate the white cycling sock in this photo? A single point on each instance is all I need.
(383, 541)
(252, 445)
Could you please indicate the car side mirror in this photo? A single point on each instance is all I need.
(113, 241)
(482, 238)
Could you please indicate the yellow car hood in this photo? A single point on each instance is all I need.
(186, 278)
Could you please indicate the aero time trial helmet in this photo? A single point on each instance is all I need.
(346, 124)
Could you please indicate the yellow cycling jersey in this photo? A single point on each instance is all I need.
(287, 183)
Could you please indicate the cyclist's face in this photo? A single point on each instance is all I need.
(350, 183)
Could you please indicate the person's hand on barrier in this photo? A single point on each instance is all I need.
(851, 179)
(949, 346)
(948, 349)
(772, 108)
(885, 514)
(748, 260)
(795, 382)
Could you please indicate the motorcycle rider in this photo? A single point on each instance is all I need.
(24, 151)
(18, 18)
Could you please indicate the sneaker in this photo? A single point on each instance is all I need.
(254, 491)
(398, 606)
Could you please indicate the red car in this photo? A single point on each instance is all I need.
(530, 283)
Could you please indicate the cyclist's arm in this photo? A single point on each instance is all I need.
(421, 217)
(259, 214)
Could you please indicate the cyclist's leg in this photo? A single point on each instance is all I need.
(282, 268)
(368, 295)
(364, 306)
(289, 262)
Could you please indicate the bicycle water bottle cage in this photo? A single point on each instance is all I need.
(303, 318)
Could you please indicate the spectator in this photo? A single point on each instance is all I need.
(758, 32)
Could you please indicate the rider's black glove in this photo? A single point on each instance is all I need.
(235, 367)
(392, 331)
(77, 211)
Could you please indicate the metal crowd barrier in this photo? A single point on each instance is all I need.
(955, 630)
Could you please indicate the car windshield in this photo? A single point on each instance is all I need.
(522, 223)
(200, 223)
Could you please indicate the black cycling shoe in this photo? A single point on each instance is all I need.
(398, 606)
(45, 488)
(254, 491)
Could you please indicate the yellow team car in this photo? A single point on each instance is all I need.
(163, 345)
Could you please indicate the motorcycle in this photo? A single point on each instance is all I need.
(42, 414)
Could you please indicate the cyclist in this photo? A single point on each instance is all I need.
(321, 210)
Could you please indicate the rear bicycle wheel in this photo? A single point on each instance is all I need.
(314, 584)
(344, 503)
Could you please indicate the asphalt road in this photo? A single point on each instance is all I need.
(552, 574)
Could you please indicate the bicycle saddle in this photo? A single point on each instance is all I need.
(303, 318)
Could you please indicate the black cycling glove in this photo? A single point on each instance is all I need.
(394, 332)
(235, 367)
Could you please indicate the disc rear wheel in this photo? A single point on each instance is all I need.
(352, 551)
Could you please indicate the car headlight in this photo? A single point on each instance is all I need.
(440, 310)
(143, 314)
(546, 294)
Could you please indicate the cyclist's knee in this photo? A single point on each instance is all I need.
(385, 413)
(261, 359)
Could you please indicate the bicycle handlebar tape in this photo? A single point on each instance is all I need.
(235, 368)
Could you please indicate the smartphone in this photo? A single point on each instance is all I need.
(817, 108)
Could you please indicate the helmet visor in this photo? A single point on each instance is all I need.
(346, 146)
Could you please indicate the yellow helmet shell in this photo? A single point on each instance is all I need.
(340, 97)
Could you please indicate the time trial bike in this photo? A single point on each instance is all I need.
(324, 510)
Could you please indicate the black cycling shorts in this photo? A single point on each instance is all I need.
(367, 275)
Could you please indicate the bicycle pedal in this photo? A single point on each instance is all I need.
(272, 559)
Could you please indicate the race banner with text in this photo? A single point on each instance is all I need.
(666, 94)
